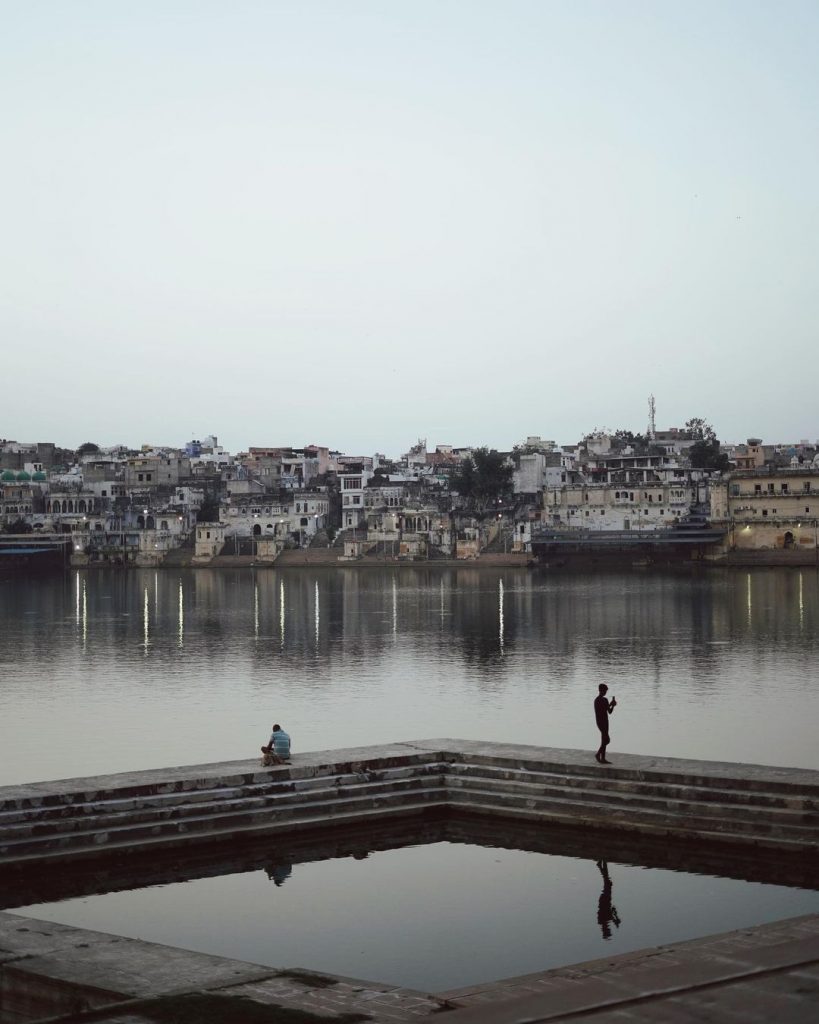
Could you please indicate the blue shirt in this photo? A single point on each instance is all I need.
(280, 742)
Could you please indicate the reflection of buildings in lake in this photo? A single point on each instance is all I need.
(626, 623)
(606, 911)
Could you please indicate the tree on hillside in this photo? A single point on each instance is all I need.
(705, 452)
(700, 430)
(621, 439)
(484, 477)
(209, 511)
(87, 448)
(707, 455)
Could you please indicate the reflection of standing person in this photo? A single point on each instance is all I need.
(602, 709)
(606, 912)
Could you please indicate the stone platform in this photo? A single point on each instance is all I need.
(120, 831)
(712, 803)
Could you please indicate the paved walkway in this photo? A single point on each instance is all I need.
(763, 975)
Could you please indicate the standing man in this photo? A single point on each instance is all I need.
(277, 750)
(602, 709)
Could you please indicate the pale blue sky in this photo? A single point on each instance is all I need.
(356, 223)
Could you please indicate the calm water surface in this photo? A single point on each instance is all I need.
(433, 917)
(104, 672)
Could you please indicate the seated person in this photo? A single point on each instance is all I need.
(277, 750)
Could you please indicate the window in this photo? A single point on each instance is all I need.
(770, 488)
(806, 487)
(734, 490)
(807, 508)
(587, 513)
(602, 513)
(784, 488)
(139, 476)
(757, 488)
(303, 521)
(764, 511)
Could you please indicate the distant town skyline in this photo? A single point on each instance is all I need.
(335, 222)
(375, 446)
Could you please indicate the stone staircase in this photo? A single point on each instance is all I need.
(207, 809)
(661, 803)
(711, 803)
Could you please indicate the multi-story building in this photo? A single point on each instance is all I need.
(768, 508)
(592, 506)
(353, 479)
(143, 472)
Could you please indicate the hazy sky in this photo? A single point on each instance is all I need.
(356, 223)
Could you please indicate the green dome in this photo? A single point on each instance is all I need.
(39, 476)
(23, 477)
(8, 477)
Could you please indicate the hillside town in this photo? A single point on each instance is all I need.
(199, 504)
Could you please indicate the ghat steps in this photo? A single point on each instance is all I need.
(711, 802)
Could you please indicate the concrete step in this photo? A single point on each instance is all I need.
(621, 816)
(230, 801)
(276, 787)
(656, 799)
(601, 779)
(224, 828)
(673, 831)
(159, 786)
(749, 783)
(241, 818)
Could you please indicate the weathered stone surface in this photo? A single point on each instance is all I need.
(773, 808)
(712, 807)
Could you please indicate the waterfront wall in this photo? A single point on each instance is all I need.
(712, 803)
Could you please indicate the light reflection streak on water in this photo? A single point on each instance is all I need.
(442, 604)
(156, 596)
(256, 610)
(281, 613)
(84, 614)
(317, 614)
(690, 695)
(180, 638)
(748, 590)
(500, 615)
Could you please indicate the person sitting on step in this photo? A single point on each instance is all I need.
(277, 750)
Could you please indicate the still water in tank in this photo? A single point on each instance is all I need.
(433, 917)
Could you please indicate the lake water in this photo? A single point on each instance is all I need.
(105, 671)
(433, 917)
